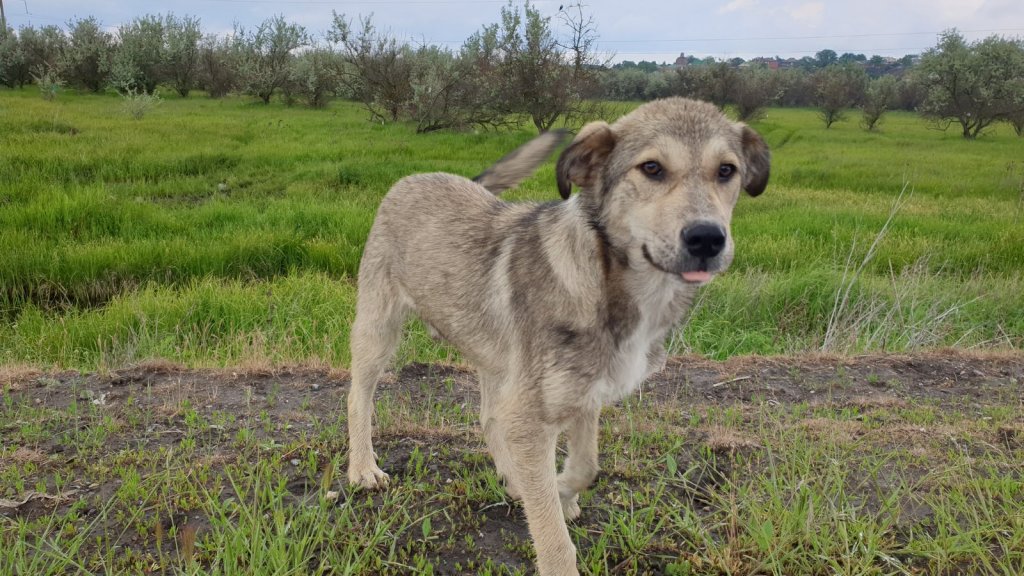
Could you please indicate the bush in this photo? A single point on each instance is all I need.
(49, 85)
(137, 103)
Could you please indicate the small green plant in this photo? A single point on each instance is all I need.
(49, 85)
(137, 103)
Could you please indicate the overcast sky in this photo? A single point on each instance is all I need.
(630, 30)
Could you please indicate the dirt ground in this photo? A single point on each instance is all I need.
(297, 399)
(966, 378)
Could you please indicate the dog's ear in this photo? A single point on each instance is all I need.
(582, 160)
(758, 160)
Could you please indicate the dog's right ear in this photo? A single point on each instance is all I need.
(758, 162)
(581, 162)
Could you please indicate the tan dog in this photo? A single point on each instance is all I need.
(561, 307)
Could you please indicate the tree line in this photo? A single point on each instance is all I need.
(525, 67)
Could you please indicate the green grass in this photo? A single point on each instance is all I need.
(182, 234)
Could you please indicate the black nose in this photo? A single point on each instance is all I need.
(704, 240)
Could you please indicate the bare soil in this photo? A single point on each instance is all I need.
(297, 400)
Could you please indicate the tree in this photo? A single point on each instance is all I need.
(796, 88)
(538, 82)
(181, 58)
(29, 54)
(314, 76)
(447, 92)
(86, 62)
(263, 56)
(216, 70)
(42, 48)
(714, 81)
(971, 84)
(686, 82)
(878, 98)
(755, 89)
(378, 70)
(825, 58)
(14, 68)
(625, 84)
(139, 57)
(838, 87)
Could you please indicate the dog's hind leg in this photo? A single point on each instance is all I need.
(376, 331)
(580, 467)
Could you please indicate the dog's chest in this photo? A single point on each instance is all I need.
(629, 363)
(625, 369)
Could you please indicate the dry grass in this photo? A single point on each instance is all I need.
(14, 376)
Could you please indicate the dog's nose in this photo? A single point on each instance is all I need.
(704, 240)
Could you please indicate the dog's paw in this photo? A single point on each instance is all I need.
(571, 507)
(511, 492)
(369, 477)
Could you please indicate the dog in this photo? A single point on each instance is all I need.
(561, 307)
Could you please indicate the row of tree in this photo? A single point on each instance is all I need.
(514, 69)
(957, 82)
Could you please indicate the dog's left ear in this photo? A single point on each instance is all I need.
(581, 162)
(758, 160)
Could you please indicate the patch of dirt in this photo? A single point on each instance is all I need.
(149, 407)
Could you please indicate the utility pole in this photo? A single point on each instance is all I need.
(3, 21)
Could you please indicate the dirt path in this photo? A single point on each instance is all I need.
(968, 379)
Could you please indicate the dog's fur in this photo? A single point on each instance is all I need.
(561, 307)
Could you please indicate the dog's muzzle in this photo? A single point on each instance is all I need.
(699, 259)
(704, 240)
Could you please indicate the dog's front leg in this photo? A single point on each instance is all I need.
(490, 409)
(531, 446)
(656, 358)
(581, 465)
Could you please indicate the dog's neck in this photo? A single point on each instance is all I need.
(633, 294)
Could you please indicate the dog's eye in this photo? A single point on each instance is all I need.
(652, 169)
(725, 172)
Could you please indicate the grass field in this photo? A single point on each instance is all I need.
(215, 232)
(175, 296)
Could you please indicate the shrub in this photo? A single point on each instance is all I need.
(137, 103)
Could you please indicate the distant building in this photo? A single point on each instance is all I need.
(769, 63)
(682, 61)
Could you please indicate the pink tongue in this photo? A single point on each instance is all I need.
(697, 276)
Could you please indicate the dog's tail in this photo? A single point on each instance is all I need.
(520, 163)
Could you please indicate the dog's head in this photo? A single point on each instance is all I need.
(661, 183)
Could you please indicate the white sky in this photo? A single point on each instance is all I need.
(636, 30)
